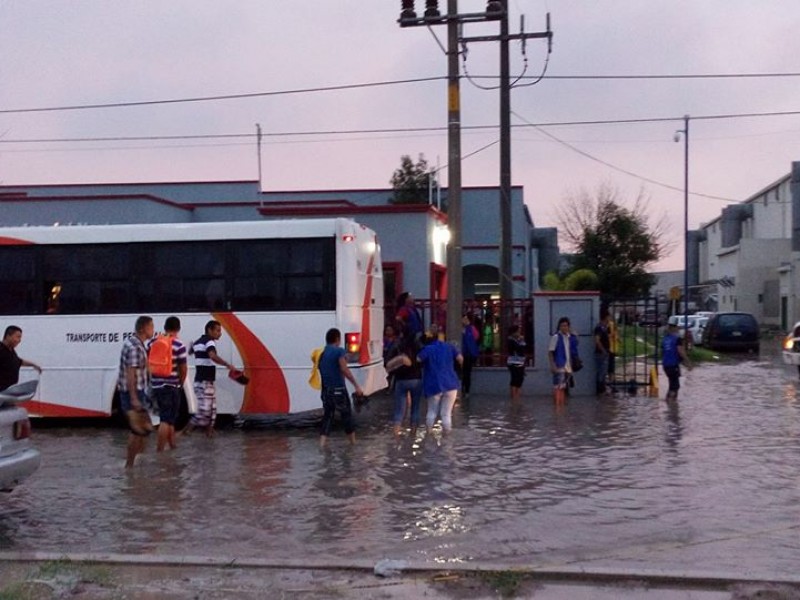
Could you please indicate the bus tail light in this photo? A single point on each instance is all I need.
(352, 343)
(22, 429)
(347, 237)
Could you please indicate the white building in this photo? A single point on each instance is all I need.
(744, 256)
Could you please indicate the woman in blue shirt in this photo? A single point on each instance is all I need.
(439, 379)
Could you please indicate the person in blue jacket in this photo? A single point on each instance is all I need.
(672, 355)
(561, 353)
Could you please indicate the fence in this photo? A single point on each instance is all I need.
(486, 316)
(638, 322)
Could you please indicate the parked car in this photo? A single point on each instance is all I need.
(791, 347)
(697, 329)
(650, 318)
(18, 458)
(732, 331)
(703, 313)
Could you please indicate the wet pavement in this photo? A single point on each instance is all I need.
(710, 485)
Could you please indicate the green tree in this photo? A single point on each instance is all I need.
(616, 243)
(552, 282)
(578, 280)
(410, 182)
(581, 280)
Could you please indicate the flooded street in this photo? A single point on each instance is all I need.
(711, 485)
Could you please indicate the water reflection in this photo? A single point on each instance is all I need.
(674, 429)
(630, 481)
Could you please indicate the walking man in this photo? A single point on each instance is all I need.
(334, 370)
(133, 383)
(206, 359)
(166, 385)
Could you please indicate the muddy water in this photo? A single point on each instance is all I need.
(711, 484)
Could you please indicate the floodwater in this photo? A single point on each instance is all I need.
(709, 485)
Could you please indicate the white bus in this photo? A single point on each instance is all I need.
(276, 287)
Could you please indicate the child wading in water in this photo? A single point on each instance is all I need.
(559, 352)
(673, 354)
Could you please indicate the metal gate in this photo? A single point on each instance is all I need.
(638, 323)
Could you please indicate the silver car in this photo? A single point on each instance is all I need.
(18, 458)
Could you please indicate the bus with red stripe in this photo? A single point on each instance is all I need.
(276, 286)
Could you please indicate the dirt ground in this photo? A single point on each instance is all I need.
(44, 580)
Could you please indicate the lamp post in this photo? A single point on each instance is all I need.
(685, 133)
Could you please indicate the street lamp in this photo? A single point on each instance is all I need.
(685, 133)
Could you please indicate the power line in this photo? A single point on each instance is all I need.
(615, 167)
(373, 84)
(331, 88)
(400, 130)
(645, 76)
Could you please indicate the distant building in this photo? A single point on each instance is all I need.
(413, 236)
(746, 258)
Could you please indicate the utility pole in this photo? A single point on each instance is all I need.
(495, 10)
(258, 152)
(505, 271)
(432, 16)
(455, 283)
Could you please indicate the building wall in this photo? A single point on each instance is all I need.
(481, 236)
(758, 263)
(771, 213)
(744, 254)
(96, 211)
(184, 192)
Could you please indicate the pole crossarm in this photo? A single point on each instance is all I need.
(508, 38)
(445, 19)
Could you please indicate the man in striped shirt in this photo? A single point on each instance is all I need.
(206, 359)
(167, 389)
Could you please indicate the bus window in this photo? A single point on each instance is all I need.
(17, 280)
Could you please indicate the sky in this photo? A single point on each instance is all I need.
(57, 53)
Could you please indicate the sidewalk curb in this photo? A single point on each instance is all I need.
(655, 578)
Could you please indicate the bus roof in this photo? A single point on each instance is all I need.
(154, 232)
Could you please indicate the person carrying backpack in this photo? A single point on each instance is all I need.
(166, 359)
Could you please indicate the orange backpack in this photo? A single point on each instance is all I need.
(159, 357)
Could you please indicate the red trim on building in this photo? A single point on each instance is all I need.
(127, 184)
(518, 278)
(287, 203)
(438, 282)
(310, 211)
